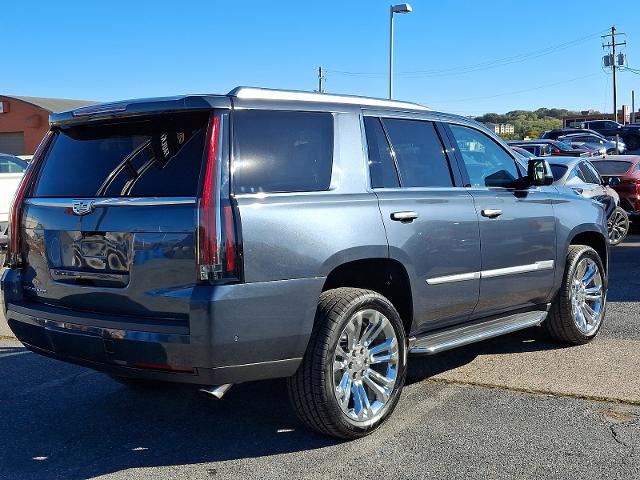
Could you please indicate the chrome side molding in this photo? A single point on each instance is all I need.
(498, 272)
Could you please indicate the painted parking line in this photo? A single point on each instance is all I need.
(11, 354)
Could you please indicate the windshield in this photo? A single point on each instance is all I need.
(565, 147)
(609, 167)
(12, 164)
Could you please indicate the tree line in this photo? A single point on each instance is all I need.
(528, 123)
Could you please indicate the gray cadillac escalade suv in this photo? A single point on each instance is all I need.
(218, 239)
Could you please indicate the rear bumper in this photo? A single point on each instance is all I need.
(233, 336)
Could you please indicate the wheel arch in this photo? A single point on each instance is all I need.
(383, 275)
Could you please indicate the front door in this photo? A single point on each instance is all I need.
(517, 226)
(429, 217)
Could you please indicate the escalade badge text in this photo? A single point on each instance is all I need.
(82, 207)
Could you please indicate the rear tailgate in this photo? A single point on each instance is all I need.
(110, 225)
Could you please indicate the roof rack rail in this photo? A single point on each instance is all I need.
(254, 93)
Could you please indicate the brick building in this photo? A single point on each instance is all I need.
(24, 121)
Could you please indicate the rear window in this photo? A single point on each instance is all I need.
(612, 168)
(282, 151)
(153, 157)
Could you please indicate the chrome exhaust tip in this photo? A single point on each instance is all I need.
(217, 391)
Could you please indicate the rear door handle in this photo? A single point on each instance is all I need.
(404, 217)
(491, 213)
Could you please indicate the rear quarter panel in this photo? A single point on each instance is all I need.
(306, 235)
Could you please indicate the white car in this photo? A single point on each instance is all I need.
(11, 171)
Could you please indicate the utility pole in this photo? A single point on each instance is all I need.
(633, 106)
(612, 45)
(321, 79)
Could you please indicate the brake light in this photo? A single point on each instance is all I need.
(216, 228)
(208, 212)
(14, 257)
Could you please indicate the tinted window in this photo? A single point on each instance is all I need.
(381, 166)
(419, 153)
(10, 165)
(592, 172)
(558, 171)
(282, 151)
(153, 157)
(577, 172)
(612, 167)
(487, 163)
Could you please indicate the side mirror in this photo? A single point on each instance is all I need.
(539, 172)
(613, 181)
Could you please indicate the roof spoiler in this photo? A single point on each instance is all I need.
(133, 108)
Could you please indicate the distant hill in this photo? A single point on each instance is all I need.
(529, 123)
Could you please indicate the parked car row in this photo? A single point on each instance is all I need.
(545, 148)
(580, 175)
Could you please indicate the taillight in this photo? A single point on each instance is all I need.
(216, 235)
(14, 257)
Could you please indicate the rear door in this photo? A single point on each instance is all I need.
(517, 226)
(430, 219)
(110, 222)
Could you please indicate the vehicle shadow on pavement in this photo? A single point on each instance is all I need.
(63, 421)
(530, 340)
(624, 283)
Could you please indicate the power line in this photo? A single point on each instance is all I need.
(471, 68)
(517, 92)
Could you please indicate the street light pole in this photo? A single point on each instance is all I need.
(400, 8)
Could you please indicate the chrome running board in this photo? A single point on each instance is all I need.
(441, 340)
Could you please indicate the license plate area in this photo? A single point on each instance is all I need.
(89, 258)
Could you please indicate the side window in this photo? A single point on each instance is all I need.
(421, 159)
(282, 151)
(577, 172)
(589, 174)
(487, 163)
(381, 167)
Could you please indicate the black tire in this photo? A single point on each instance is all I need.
(618, 226)
(311, 389)
(560, 324)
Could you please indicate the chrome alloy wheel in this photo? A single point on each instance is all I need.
(617, 226)
(365, 366)
(587, 296)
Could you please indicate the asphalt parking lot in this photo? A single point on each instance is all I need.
(514, 407)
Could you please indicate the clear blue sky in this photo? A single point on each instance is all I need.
(137, 48)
